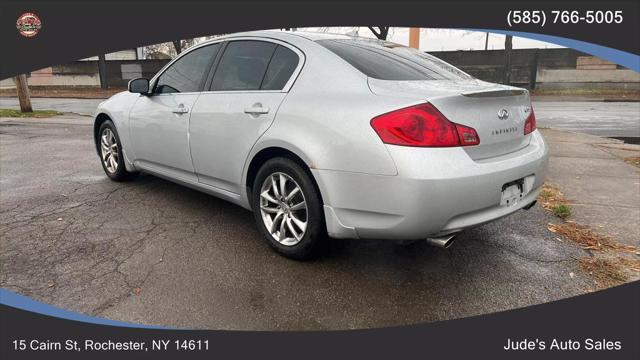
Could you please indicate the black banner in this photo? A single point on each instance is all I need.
(600, 325)
(77, 29)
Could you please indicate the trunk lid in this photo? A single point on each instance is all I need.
(496, 112)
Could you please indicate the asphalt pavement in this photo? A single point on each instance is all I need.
(149, 251)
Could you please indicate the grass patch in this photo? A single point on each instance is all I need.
(35, 114)
(633, 160)
(81, 92)
(549, 196)
(611, 264)
(588, 239)
(586, 91)
(562, 211)
(582, 91)
(606, 273)
(552, 199)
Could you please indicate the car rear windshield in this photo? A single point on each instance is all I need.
(389, 61)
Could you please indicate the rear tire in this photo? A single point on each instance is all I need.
(288, 209)
(111, 154)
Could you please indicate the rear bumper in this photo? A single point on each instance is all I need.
(437, 191)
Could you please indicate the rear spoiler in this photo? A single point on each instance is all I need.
(495, 93)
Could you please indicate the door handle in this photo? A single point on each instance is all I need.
(256, 109)
(181, 109)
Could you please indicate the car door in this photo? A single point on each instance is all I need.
(159, 122)
(250, 81)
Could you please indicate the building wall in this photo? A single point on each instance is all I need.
(128, 54)
(543, 68)
(85, 73)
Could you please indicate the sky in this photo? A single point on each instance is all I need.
(444, 39)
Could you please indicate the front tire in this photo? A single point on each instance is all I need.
(288, 209)
(111, 154)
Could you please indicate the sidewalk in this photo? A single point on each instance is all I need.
(604, 191)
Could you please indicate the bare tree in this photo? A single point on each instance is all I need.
(171, 49)
(177, 46)
(347, 30)
(381, 32)
(180, 45)
(166, 50)
(24, 97)
(508, 45)
(159, 51)
(102, 71)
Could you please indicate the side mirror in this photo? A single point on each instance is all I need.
(139, 85)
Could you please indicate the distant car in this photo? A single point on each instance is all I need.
(329, 135)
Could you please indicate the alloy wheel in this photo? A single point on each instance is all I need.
(283, 208)
(109, 150)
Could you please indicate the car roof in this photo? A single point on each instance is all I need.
(284, 35)
(319, 35)
(314, 36)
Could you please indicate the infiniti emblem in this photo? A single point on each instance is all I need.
(503, 114)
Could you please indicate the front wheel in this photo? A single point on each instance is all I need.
(110, 151)
(288, 209)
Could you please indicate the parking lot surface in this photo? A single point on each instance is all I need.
(152, 252)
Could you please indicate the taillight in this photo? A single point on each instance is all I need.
(424, 126)
(530, 123)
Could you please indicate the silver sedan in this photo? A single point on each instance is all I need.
(329, 135)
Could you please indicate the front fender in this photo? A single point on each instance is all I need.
(117, 109)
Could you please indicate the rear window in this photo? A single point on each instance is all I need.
(389, 61)
(281, 67)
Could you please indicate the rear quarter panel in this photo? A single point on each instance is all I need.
(325, 118)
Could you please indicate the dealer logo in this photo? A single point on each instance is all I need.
(28, 24)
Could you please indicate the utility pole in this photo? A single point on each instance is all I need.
(508, 46)
(414, 37)
(24, 97)
(486, 42)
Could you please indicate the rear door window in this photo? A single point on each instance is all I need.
(243, 65)
(389, 61)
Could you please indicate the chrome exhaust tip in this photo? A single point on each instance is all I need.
(443, 242)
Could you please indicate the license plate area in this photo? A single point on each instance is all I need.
(512, 193)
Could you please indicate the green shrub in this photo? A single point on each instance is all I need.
(562, 211)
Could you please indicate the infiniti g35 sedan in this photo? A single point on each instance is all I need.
(323, 134)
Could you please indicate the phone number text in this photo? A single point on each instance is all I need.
(541, 17)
